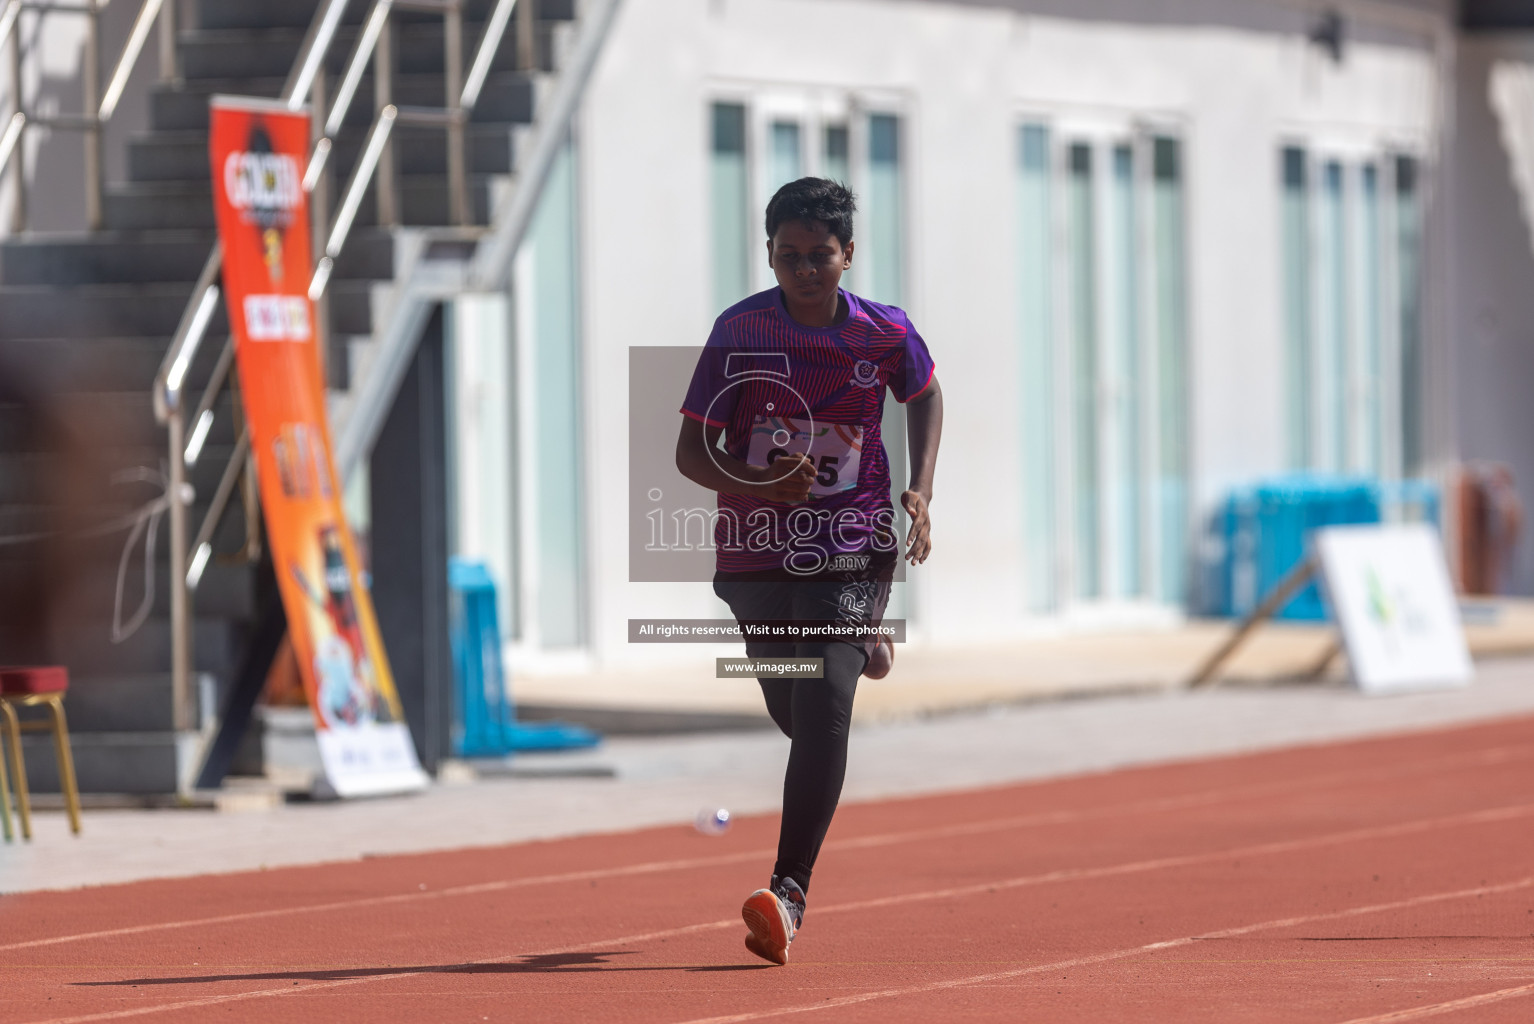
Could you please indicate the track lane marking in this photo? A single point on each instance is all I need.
(1451, 1006)
(1493, 755)
(1498, 814)
(1150, 947)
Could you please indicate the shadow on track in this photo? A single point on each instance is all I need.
(547, 963)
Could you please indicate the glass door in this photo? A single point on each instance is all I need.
(1100, 290)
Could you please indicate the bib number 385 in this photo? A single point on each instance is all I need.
(836, 449)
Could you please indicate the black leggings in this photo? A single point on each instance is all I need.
(815, 715)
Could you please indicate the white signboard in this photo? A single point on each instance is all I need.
(1390, 593)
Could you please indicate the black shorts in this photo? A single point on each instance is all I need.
(828, 606)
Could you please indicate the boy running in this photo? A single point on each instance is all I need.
(793, 378)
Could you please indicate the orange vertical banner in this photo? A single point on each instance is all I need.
(259, 150)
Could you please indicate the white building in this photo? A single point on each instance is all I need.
(1157, 250)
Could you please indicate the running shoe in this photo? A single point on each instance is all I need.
(774, 915)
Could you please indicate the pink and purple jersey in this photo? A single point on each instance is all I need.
(777, 386)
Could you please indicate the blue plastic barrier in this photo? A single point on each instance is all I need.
(1265, 530)
(485, 720)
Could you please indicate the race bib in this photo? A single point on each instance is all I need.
(835, 448)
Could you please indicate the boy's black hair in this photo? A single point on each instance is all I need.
(822, 199)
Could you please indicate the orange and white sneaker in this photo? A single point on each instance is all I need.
(774, 915)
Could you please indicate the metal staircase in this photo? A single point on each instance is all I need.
(105, 332)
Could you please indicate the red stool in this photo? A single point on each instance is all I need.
(42, 687)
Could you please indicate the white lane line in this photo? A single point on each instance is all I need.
(1152, 947)
(1499, 814)
(1493, 755)
(1157, 805)
(293, 989)
(1418, 1012)
(476, 889)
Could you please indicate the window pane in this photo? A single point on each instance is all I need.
(730, 213)
(1367, 455)
(786, 163)
(1332, 339)
(1038, 384)
(838, 166)
(1123, 375)
(556, 361)
(1083, 326)
(1409, 285)
(483, 406)
(1297, 322)
(883, 206)
(1171, 372)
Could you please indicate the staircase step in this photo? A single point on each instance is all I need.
(182, 156)
(423, 200)
(507, 96)
(157, 257)
(105, 258)
(86, 364)
(184, 105)
(154, 310)
(272, 52)
(122, 703)
(241, 14)
(115, 762)
(224, 591)
(126, 417)
(87, 648)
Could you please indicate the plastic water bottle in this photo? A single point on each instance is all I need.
(712, 821)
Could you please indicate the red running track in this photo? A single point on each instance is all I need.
(1379, 881)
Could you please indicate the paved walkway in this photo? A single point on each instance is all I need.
(632, 782)
(931, 678)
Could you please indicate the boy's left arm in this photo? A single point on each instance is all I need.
(924, 429)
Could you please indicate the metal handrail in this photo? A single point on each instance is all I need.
(131, 50)
(170, 381)
(356, 187)
(98, 109)
(12, 136)
(322, 31)
(8, 19)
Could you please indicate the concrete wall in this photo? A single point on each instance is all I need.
(1235, 78)
(1493, 340)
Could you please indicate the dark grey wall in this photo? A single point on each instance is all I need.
(408, 542)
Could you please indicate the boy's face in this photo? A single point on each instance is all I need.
(808, 261)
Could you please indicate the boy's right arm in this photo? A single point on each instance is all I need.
(700, 460)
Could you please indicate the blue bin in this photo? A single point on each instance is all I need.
(1265, 530)
(485, 720)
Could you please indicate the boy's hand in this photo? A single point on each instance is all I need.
(918, 538)
(784, 481)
